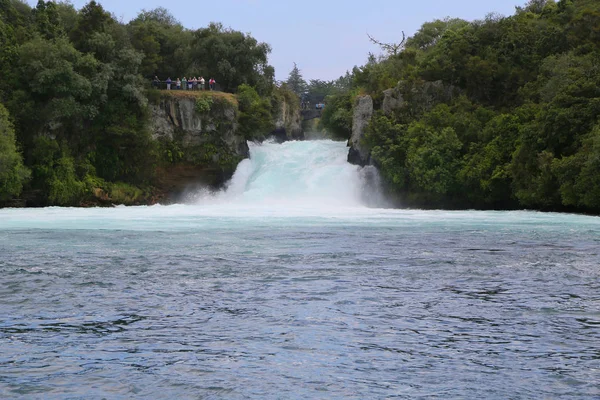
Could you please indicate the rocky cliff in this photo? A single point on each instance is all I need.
(287, 119)
(363, 111)
(197, 133)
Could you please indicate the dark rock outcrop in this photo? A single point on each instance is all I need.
(392, 100)
(421, 97)
(363, 111)
(288, 122)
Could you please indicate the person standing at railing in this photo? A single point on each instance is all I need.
(194, 84)
(168, 83)
(178, 84)
(211, 84)
(184, 83)
(201, 82)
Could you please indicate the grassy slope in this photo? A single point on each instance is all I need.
(198, 94)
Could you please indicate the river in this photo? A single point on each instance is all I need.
(293, 284)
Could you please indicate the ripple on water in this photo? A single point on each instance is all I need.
(494, 306)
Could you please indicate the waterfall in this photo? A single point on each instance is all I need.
(307, 174)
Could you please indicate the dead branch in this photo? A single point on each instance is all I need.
(391, 48)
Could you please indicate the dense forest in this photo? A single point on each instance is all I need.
(499, 113)
(75, 90)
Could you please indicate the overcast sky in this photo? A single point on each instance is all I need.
(324, 37)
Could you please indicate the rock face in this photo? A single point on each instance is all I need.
(424, 96)
(392, 100)
(203, 147)
(176, 119)
(288, 122)
(363, 111)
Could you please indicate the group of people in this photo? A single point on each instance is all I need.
(186, 84)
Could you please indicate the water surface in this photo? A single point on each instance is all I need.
(288, 286)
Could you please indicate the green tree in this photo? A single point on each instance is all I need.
(47, 20)
(486, 174)
(231, 57)
(430, 32)
(579, 174)
(255, 119)
(68, 16)
(432, 162)
(12, 172)
(337, 116)
(64, 87)
(54, 174)
(160, 38)
(295, 82)
(93, 20)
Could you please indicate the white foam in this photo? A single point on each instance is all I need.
(289, 184)
(293, 175)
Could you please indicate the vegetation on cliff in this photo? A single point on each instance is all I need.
(74, 97)
(497, 113)
(12, 172)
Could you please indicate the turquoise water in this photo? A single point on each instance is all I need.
(292, 284)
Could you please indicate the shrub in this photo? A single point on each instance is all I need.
(12, 172)
(255, 117)
(204, 104)
(65, 188)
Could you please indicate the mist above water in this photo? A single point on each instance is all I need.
(306, 174)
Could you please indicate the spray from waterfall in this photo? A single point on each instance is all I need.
(313, 174)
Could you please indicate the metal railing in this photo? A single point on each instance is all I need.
(162, 85)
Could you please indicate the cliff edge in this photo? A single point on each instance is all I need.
(198, 136)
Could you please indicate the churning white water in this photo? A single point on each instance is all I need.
(308, 174)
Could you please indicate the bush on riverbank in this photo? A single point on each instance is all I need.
(13, 175)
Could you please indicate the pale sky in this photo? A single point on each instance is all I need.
(324, 37)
